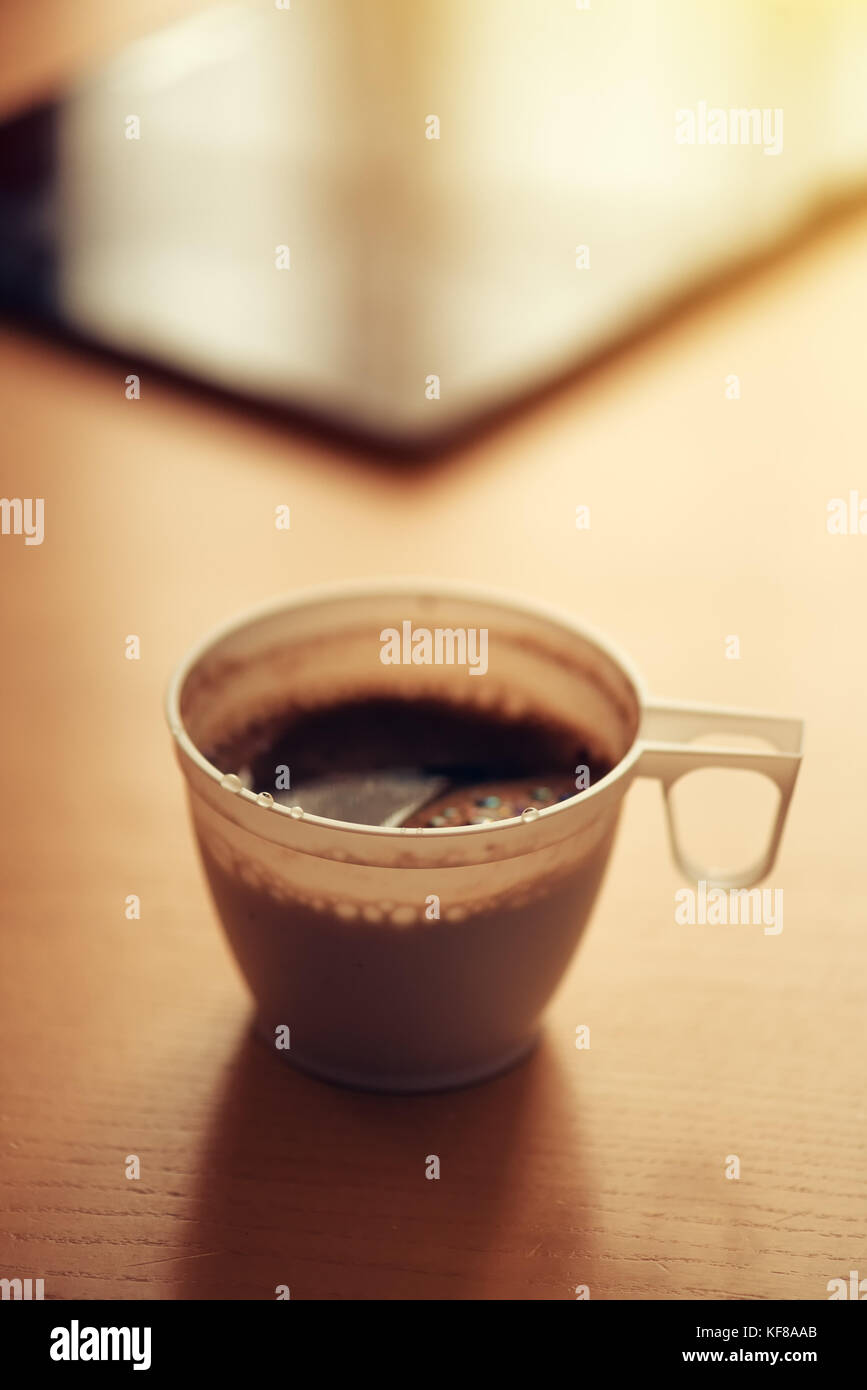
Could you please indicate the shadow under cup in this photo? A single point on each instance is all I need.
(399, 959)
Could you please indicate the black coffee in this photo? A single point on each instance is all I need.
(387, 761)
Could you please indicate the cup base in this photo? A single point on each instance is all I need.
(401, 1085)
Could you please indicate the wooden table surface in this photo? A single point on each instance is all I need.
(602, 1167)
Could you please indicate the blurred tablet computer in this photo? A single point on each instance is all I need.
(399, 218)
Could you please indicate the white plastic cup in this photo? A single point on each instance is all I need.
(333, 924)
